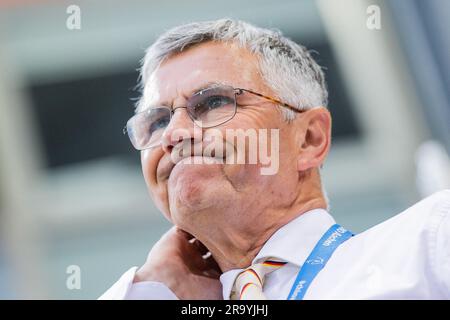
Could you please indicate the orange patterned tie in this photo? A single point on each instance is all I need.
(249, 283)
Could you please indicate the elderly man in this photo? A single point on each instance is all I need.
(244, 233)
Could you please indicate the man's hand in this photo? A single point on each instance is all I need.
(177, 261)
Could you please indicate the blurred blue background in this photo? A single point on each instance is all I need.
(71, 189)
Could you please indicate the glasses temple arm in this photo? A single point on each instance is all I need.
(271, 99)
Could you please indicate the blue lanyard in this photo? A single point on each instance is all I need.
(330, 241)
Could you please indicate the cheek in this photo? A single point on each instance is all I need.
(157, 191)
(149, 163)
(160, 199)
(289, 151)
(243, 175)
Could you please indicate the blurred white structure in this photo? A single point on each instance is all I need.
(433, 168)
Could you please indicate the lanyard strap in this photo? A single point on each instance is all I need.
(318, 258)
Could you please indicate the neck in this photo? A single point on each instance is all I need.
(237, 246)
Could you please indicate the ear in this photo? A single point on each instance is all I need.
(314, 139)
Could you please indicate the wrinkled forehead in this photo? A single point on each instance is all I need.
(185, 73)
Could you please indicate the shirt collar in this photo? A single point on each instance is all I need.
(292, 243)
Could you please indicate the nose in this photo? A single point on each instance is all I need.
(180, 128)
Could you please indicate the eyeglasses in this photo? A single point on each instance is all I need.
(207, 108)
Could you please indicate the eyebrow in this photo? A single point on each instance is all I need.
(203, 86)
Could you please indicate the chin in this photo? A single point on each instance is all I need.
(192, 186)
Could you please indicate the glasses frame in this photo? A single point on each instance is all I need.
(237, 92)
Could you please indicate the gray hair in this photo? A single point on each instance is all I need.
(286, 67)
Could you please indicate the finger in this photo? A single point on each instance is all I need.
(207, 255)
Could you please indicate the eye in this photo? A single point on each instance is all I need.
(157, 124)
(213, 102)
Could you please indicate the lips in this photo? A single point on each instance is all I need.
(168, 162)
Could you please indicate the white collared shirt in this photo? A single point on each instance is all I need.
(405, 257)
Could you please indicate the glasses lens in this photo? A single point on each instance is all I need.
(213, 106)
(146, 128)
